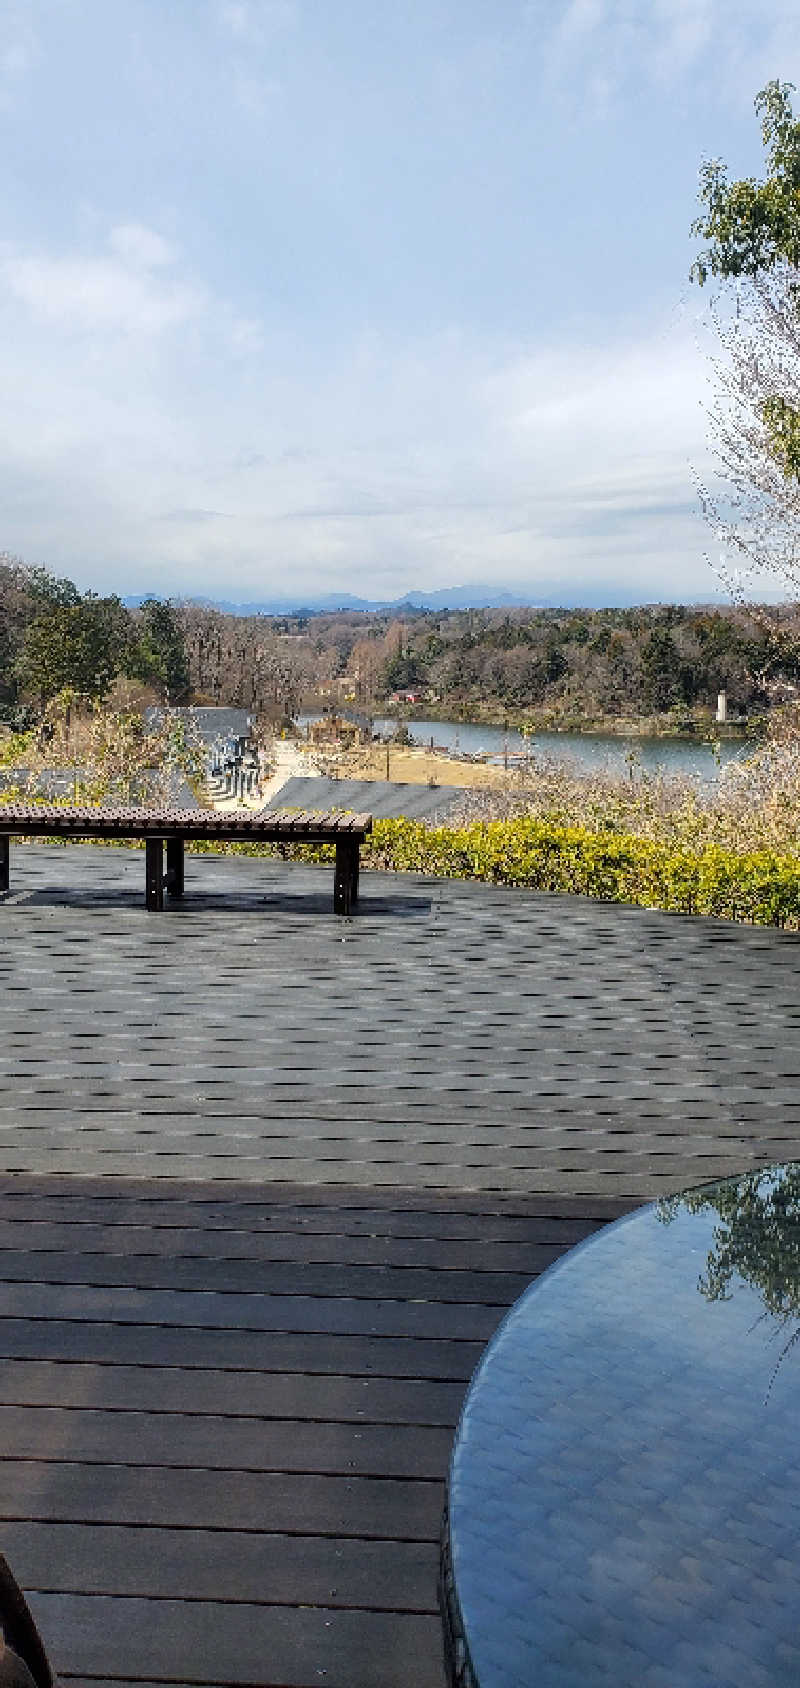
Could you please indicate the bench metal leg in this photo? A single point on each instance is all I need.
(154, 873)
(345, 884)
(5, 863)
(175, 867)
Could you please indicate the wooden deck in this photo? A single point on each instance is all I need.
(267, 1187)
(226, 1420)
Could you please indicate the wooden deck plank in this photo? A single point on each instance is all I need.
(199, 1642)
(122, 1682)
(174, 1273)
(78, 1339)
(300, 1200)
(337, 1216)
(235, 1394)
(380, 1508)
(344, 1316)
(649, 1173)
(98, 1437)
(328, 1248)
(223, 1565)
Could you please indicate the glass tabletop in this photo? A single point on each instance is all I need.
(624, 1496)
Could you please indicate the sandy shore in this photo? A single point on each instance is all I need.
(417, 766)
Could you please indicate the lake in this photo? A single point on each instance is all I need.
(584, 752)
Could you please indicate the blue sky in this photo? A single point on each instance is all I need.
(302, 296)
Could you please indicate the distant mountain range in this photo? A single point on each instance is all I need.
(450, 598)
(475, 597)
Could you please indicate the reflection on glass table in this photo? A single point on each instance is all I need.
(624, 1496)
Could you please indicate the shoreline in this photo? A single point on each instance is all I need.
(697, 730)
(625, 727)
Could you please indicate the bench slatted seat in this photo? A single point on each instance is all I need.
(171, 828)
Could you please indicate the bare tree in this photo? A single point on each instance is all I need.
(753, 230)
(755, 510)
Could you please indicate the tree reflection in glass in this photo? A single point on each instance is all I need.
(756, 1240)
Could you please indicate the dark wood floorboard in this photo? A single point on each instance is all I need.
(199, 1641)
(253, 1567)
(233, 1394)
(268, 1182)
(365, 1281)
(266, 1516)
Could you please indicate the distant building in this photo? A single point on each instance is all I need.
(347, 686)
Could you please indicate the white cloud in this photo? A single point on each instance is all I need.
(581, 18)
(256, 20)
(603, 48)
(130, 296)
(141, 247)
(235, 17)
(192, 451)
(97, 294)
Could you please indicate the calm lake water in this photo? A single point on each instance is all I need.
(585, 752)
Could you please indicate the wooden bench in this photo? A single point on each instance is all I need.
(172, 827)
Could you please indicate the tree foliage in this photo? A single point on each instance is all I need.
(754, 232)
(568, 666)
(157, 653)
(754, 226)
(73, 645)
(757, 1241)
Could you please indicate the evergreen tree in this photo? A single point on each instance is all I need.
(158, 653)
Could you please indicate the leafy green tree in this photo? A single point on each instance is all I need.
(661, 670)
(753, 230)
(754, 226)
(73, 646)
(157, 654)
(16, 607)
(402, 670)
(47, 588)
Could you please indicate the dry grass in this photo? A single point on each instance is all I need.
(108, 751)
(412, 766)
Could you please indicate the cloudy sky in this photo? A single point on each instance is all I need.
(302, 296)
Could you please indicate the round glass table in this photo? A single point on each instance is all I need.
(624, 1492)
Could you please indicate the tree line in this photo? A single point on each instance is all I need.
(590, 663)
(55, 638)
(585, 663)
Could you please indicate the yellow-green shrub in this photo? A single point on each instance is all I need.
(761, 887)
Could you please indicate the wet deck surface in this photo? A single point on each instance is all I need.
(268, 1181)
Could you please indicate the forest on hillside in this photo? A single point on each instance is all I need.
(575, 665)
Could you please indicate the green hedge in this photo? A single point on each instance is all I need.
(763, 888)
